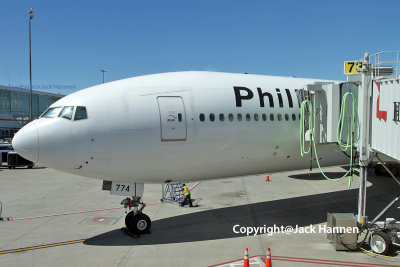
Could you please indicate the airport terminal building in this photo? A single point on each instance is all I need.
(14, 108)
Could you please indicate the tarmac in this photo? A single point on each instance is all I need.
(58, 219)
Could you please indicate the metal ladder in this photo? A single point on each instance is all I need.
(172, 192)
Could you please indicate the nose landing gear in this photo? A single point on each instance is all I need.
(136, 221)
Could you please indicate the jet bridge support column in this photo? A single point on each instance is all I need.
(364, 114)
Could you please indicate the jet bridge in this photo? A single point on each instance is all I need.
(372, 120)
(376, 86)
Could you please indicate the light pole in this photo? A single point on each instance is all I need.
(30, 65)
(103, 73)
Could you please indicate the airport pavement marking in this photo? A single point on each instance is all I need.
(62, 214)
(42, 246)
(87, 211)
(304, 260)
(71, 213)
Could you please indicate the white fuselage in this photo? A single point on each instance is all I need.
(149, 129)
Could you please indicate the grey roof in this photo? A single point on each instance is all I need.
(18, 89)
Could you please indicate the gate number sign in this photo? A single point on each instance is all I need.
(351, 67)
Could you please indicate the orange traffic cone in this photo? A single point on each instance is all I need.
(267, 180)
(268, 262)
(246, 259)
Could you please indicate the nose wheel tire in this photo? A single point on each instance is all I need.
(138, 224)
(128, 219)
(380, 242)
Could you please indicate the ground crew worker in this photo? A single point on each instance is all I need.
(187, 197)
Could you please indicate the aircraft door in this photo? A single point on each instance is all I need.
(173, 118)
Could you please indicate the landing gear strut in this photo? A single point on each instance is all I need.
(136, 221)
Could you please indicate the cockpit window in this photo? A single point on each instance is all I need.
(66, 112)
(80, 113)
(51, 112)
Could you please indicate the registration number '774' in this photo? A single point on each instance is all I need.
(122, 189)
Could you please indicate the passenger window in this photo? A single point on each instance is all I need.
(221, 117)
(293, 117)
(180, 117)
(212, 117)
(248, 117)
(271, 117)
(202, 117)
(256, 117)
(287, 117)
(51, 112)
(66, 112)
(264, 117)
(230, 117)
(80, 113)
(239, 116)
(279, 116)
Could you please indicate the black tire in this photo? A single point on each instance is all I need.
(128, 219)
(140, 224)
(30, 167)
(380, 242)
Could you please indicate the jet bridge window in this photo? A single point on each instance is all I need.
(80, 113)
(51, 112)
(66, 112)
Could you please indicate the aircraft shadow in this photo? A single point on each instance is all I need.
(218, 223)
(316, 176)
(333, 175)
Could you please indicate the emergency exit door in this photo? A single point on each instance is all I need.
(172, 117)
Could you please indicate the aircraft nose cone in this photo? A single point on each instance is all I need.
(26, 142)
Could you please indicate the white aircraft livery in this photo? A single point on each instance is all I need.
(182, 126)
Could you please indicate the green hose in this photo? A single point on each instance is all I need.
(343, 120)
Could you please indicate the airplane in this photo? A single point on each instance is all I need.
(172, 127)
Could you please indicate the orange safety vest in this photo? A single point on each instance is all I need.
(186, 191)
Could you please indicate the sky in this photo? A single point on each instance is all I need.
(73, 40)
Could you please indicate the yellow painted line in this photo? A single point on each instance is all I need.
(42, 246)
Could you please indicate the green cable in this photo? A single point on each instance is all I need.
(342, 121)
